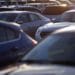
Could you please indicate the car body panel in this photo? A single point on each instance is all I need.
(49, 28)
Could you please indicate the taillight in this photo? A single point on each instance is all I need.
(34, 42)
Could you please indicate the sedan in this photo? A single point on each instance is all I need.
(14, 43)
(29, 21)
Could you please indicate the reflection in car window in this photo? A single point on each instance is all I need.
(7, 34)
(54, 48)
(8, 17)
(34, 17)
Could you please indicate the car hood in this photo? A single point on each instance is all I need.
(35, 69)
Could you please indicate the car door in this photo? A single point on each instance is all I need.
(9, 41)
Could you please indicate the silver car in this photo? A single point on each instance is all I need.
(29, 21)
(43, 31)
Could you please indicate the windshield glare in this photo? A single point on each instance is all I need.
(54, 48)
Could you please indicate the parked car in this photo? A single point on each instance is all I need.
(55, 12)
(29, 21)
(43, 31)
(27, 8)
(53, 56)
(14, 43)
(68, 16)
(6, 9)
(20, 8)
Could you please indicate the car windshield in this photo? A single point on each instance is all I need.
(55, 48)
(8, 17)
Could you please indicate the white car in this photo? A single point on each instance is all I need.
(43, 31)
(29, 21)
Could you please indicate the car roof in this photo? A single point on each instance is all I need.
(20, 7)
(70, 11)
(26, 7)
(12, 25)
(66, 30)
(18, 12)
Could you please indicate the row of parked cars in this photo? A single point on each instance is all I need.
(53, 55)
(34, 24)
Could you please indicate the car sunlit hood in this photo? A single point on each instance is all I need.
(40, 70)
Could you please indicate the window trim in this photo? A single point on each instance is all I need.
(9, 41)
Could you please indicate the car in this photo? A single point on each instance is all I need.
(68, 16)
(14, 43)
(29, 21)
(20, 8)
(27, 8)
(6, 9)
(55, 12)
(43, 31)
(53, 56)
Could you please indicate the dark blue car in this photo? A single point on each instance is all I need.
(14, 43)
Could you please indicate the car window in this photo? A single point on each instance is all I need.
(10, 17)
(35, 17)
(23, 18)
(62, 50)
(54, 48)
(7, 34)
(11, 34)
(69, 17)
